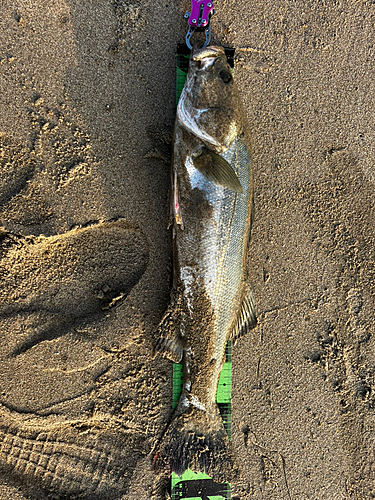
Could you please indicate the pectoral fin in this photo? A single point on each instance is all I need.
(246, 318)
(169, 343)
(217, 170)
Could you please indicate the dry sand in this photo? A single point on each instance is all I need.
(87, 91)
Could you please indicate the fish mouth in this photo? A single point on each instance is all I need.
(207, 55)
(202, 53)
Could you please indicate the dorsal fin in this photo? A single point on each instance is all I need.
(246, 318)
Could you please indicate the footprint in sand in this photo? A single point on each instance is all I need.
(68, 278)
(54, 292)
(51, 285)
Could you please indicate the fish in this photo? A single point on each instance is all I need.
(212, 300)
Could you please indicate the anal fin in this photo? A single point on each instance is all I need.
(246, 318)
(169, 343)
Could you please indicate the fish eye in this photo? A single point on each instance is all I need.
(226, 76)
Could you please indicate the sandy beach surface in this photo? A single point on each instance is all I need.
(87, 104)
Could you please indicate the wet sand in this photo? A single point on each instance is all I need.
(87, 107)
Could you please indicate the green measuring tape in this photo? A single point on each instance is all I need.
(191, 485)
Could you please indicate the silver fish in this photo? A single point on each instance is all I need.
(212, 300)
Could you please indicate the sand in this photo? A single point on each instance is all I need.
(87, 93)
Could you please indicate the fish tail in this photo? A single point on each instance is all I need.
(196, 440)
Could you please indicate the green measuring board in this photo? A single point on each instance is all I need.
(191, 485)
(223, 395)
(198, 486)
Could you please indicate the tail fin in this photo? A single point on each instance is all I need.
(195, 440)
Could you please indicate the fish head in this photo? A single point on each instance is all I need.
(210, 106)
